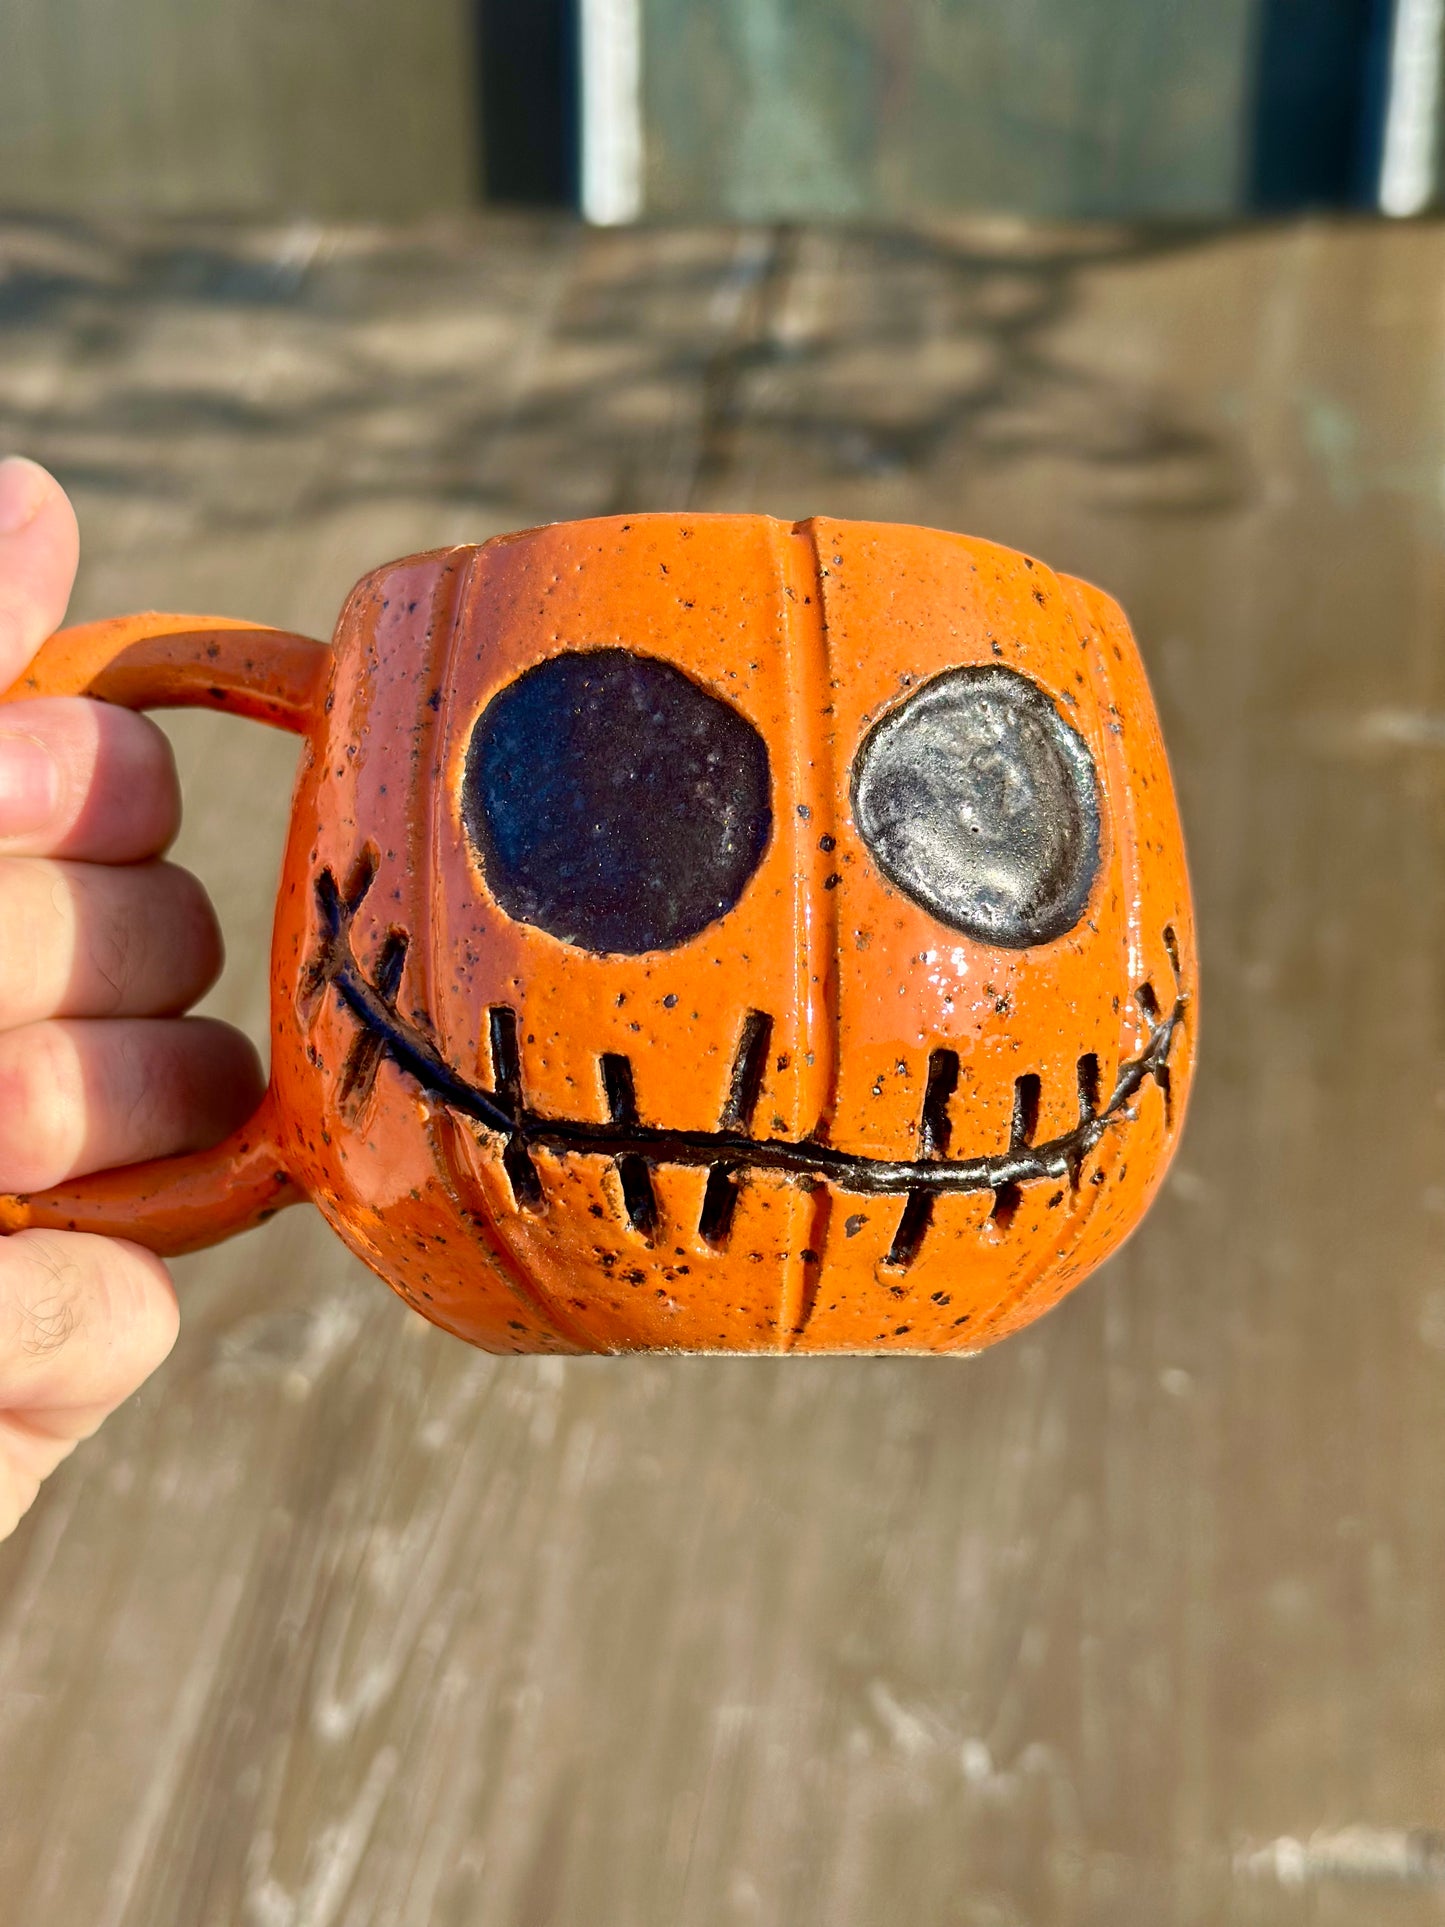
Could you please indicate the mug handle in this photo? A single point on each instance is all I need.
(152, 661)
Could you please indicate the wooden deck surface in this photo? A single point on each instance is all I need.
(1137, 1620)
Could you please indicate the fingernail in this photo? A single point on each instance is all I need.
(29, 785)
(22, 490)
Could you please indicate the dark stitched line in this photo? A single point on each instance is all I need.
(411, 1052)
(414, 1054)
(358, 1073)
(364, 1059)
(363, 875)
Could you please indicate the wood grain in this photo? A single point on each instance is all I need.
(1134, 1621)
(327, 107)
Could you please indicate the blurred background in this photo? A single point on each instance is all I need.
(1136, 1619)
(755, 109)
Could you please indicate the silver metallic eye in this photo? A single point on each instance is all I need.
(978, 801)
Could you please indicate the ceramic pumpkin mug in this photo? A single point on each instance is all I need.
(697, 932)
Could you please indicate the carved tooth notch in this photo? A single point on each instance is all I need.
(639, 1200)
(1166, 1086)
(934, 1127)
(1089, 1087)
(745, 1085)
(1090, 1084)
(1028, 1097)
(719, 1203)
(750, 1063)
(507, 1079)
(1006, 1201)
(912, 1229)
(934, 1132)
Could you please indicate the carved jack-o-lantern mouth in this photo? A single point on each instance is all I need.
(634, 1146)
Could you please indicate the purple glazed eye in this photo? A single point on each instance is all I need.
(614, 803)
(978, 801)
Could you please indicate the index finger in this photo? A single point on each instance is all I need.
(107, 792)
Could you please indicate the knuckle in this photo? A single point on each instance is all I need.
(42, 1108)
(121, 792)
(205, 949)
(32, 925)
(136, 770)
(111, 942)
(143, 1078)
(90, 941)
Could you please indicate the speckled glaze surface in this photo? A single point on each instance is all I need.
(828, 1120)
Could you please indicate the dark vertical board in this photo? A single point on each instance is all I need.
(769, 108)
(527, 58)
(1321, 71)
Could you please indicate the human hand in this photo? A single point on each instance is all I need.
(102, 947)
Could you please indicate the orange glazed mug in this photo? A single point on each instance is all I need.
(697, 932)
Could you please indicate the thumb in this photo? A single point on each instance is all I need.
(39, 546)
(83, 1320)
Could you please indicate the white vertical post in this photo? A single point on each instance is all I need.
(611, 61)
(1412, 110)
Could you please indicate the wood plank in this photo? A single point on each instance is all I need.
(332, 108)
(339, 1622)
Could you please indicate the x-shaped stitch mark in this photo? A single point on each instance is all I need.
(336, 911)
